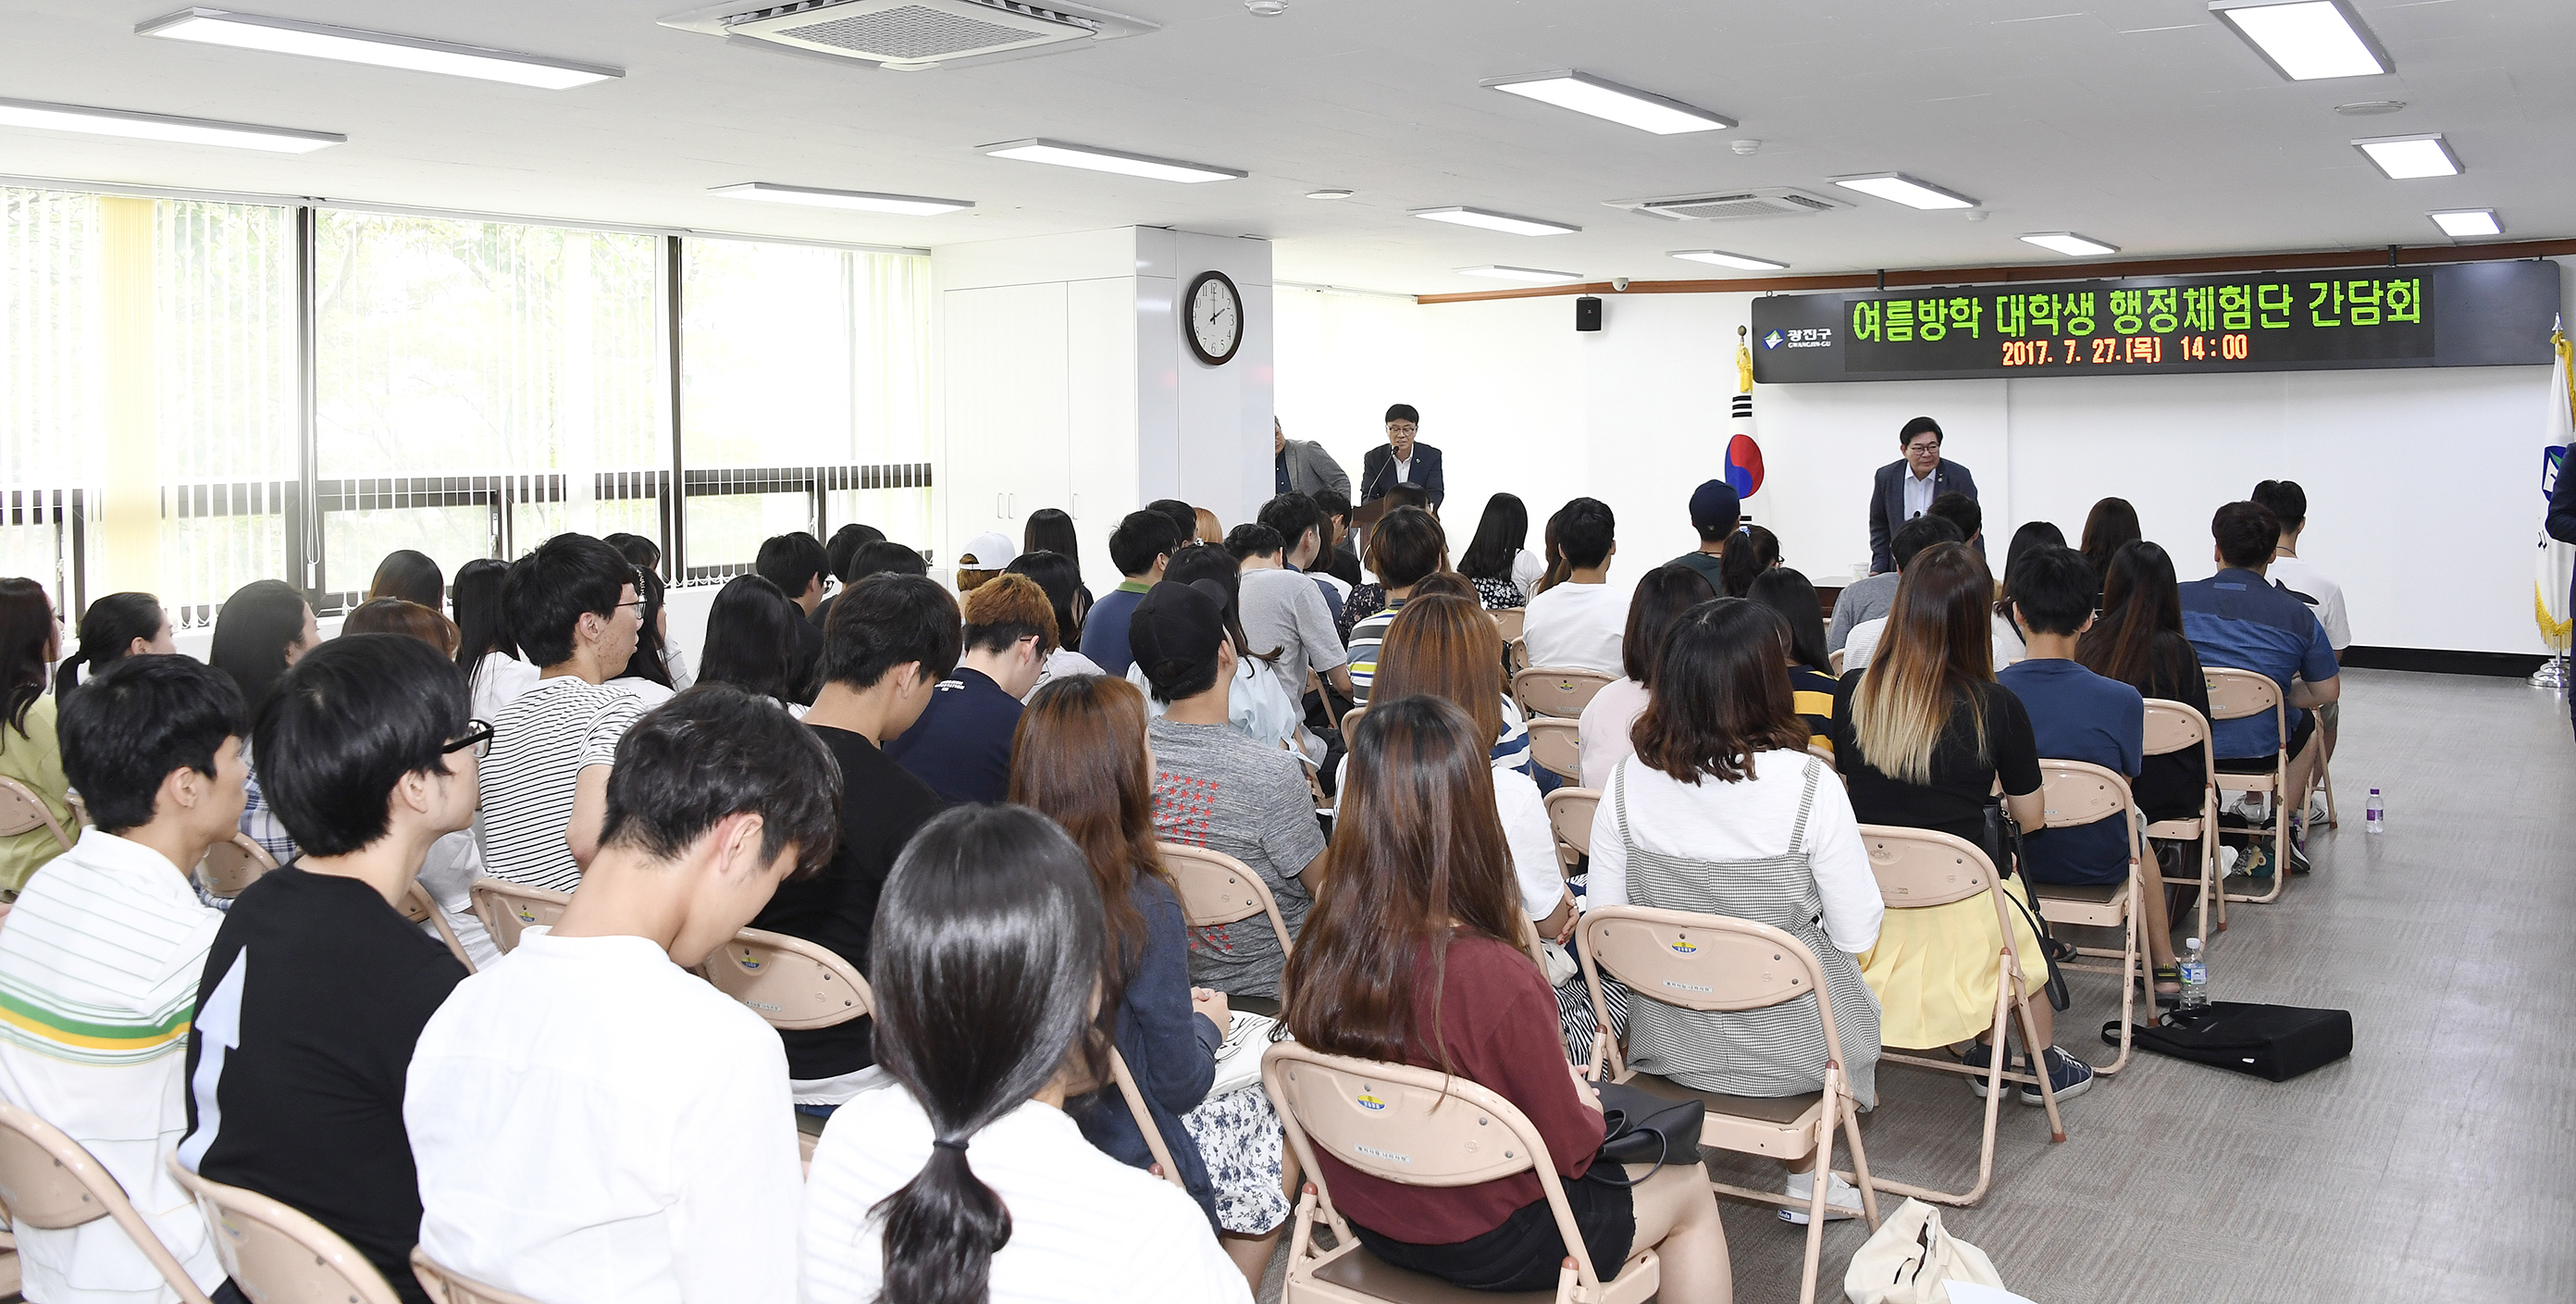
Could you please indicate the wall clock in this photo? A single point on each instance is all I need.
(1214, 318)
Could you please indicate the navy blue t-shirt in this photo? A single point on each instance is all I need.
(961, 745)
(2242, 621)
(2076, 715)
(1104, 631)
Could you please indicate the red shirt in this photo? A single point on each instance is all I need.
(1499, 1022)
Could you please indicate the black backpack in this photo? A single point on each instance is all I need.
(2278, 1042)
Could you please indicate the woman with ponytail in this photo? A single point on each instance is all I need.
(116, 626)
(961, 1180)
(29, 640)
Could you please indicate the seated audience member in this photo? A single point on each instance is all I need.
(2138, 641)
(494, 674)
(593, 1122)
(1961, 510)
(751, 640)
(1922, 737)
(261, 630)
(2237, 619)
(1753, 551)
(1300, 525)
(1715, 511)
(1409, 495)
(1404, 549)
(2109, 527)
(571, 606)
(1662, 595)
(1580, 622)
(893, 637)
(1210, 529)
(1811, 679)
(1258, 699)
(1864, 638)
(1050, 529)
(29, 748)
(648, 672)
(1865, 601)
(410, 576)
(1344, 562)
(118, 625)
(961, 746)
(2288, 504)
(1554, 570)
(1184, 519)
(646, 554)
(2032, 535)
(101, 956)
(884, 557)
(959, 1178)
(405, 618)
(1284, 608)
(841, 553)
(1493, 560)
(1141, 547)
(1214, 787)
(1418, 902)
(2077, 715)
(984, 556)
(1060, 577)
(1168, 1030)
(796, 562)
(1722, 812)
(1512, 747)
(296, 1064)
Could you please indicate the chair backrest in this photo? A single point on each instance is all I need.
(1145, 1125)
(1700, 962)
(2236, 694)
(233, 864)
(2076, 792)
(276, 1255)
(1558, 690)
(1918, 867)
(2173, 726)
(789, 981)
(21, 811)
(51, 1182)
(1557, 744)
(1507, 621)
(1822, 753)
(508, 909)
(446, 1287)
(1569, 816)
(420, 908)
(1350, 721)
(1218, 889)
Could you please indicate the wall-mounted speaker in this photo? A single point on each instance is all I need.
(1587, 313)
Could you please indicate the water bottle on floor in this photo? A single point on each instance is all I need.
(2372, 812)
(2195, 976)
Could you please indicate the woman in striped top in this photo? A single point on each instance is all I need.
(1811, 679)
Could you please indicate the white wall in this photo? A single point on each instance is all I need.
(2421, 482)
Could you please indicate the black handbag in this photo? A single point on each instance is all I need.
(2275, 1042)
(1640, 1127)
(2002, 845)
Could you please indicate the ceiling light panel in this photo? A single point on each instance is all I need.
(1721, 258)
(1063, 154)
(2405, 158)
(864, 201)
(156, 126)
(1625, 105)
(2307, 40)
(1488, 220)
(2459, 222)
(381, 49)
(1531, 275)
(1900, 188)
(2070, 244)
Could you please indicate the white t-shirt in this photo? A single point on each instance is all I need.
(1526, 569)
(1525, 830)
(1605, 729)
(499, 678)
(540, 745)
(1745, 820)
(2323, 596)
(1864, 642)
(1085, 1228)
(1063, 663)
(1577, 625)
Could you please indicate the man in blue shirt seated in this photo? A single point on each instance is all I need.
(961, 745)
(1141, 546)
(2239, 619)
(2077, 715)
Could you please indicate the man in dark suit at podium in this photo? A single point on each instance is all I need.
(1906, 487)
(1402, 460)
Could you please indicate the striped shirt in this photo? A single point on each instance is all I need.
(99, 966)
(541, 742)
(1367, 636)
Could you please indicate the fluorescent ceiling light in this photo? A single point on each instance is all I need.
(2457, 222)
(2069, 243)
(1489, 220)
(382, 49)
(1724, 259)
(1534, 275)
(1902, 189)
(1624, 105)
(862, 200)
(1335, 192)
(2406, 157)
(156, 126)
(1042, 150)
(2307, 40)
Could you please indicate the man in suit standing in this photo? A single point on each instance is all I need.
(1304, 467)
(1905, 488)
(1402, 460)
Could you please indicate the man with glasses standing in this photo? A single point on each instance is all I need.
(1403, 459)
(1905, 488)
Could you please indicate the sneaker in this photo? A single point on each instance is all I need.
(1980, 1057)
(1842, 1199)
(2068, 1076)
(2299, 848)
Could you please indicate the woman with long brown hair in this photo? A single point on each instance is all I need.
(1081, 758)
(2138, 640)
(1411, 955)
(2109, 527)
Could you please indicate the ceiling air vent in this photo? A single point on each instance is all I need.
(908, 35)
(1767, 201)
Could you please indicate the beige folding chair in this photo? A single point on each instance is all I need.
(51, 1182)
(1153, 1135)
(2238, 695)
(2079, 794)
(420, 908)
(12, 1277)
(446, 1287)
(1916, 870)
(1557, 690)
(1834, 662)
(1515, 655)
(788, 981)
(508, 909)
(1416, 1127)
(1556, 743)
(1350, 721)
(1713, 963)
(1217, 889)
(276, 1255)
(2171, 727)
(233, 864)
(1508, 621)
(22, 811)
(1569, 817)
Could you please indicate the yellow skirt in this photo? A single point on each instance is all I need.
(1935, 970)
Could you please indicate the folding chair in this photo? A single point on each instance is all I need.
(1515, 656)
(1556, 743)
(1350, 721)
(1916, 870)
(2171, 727)
(508, 909)
(1713, 963)
(1153, 1134)
(1217, 889)
(446, 1287)
(276, 1255)
(2078, 794)
(22, 811)
(12, 1277)
(1417, 1127)
(2238, 695)
(419, 908)
(1834, 661)
(1507, 622)
(1569, 817)
(1561, 691)
(233, 864)
(51, 1182)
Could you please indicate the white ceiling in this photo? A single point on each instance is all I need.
(2141, 122)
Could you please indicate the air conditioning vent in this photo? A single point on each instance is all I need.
(914, 34)
(1769, 201)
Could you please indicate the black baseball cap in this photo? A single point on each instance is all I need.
(1176, 629)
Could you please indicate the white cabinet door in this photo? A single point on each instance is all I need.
(1008, 422)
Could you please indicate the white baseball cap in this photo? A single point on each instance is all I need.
(990, 550)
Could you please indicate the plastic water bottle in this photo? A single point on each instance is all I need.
(2195, 976)
(2373, 813)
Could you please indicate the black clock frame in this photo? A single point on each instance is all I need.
(1191, 297)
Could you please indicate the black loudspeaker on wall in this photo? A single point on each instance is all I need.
(1587, 313)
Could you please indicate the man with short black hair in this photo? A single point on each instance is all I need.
(1582, 621)
(843, 552)
(1905, 488)
(572, 606)
(2288, 504)
(1140, 547)
(796, 563)
(1282, 608)
(1871, 599)
(1301, 536)
(593, 1123)
(2238, 619)
(101, 957)
(1962, 511)
(1403, 459)
(883, 557)
(1715, 512)
(317, 987)
(1184, 519)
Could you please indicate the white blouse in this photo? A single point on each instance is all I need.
(1745, 820)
